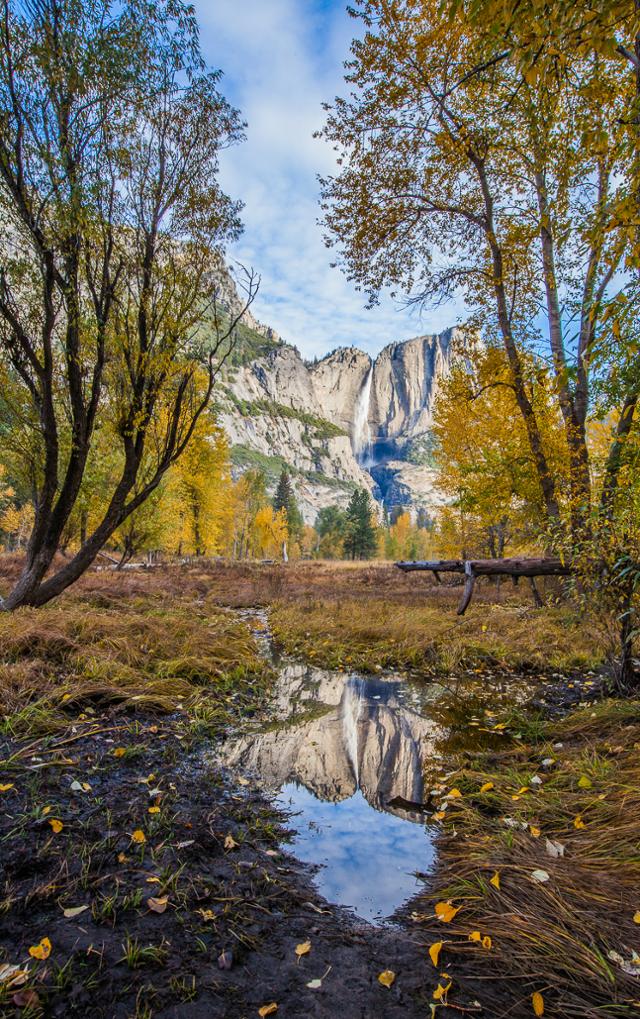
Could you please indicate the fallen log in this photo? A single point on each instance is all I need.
(472, 568)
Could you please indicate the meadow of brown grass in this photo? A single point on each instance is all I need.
(167, 640)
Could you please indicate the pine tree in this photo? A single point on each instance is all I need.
(331, 527)
(361, 541)
(284, 499)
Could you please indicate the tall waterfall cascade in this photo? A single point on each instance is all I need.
(352, 700)
(361, 439)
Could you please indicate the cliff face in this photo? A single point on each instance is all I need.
(338, 381)
(404, 384)
(346, 421)
(361, 737)
(272, 415)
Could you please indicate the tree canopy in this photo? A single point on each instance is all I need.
(113, 222)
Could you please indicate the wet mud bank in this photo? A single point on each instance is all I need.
(202, 919)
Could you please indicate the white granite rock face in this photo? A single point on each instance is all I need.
(276, 406)
(405, 383)
(337, 381)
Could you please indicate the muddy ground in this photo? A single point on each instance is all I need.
(184, 901)
(212, 850)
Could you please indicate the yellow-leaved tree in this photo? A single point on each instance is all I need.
(486, 466)
(269, 532)
(198, 494)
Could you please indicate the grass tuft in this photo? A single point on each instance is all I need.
(135, 653)
(571, 937)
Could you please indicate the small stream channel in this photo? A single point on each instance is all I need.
(352, 758)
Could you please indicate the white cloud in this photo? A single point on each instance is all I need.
(282, 59)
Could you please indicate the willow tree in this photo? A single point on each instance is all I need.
(113, 221)
(465, 175)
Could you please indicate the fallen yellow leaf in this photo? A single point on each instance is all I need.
(119, 752)
(303, 948)
(578, 822)
(268, 1009)
(439, 815)
(206, 914)
(445, 911)
(56, 825)
(475, 936)
(538, 1003)
(584, 782)
(386, 978)
(139, 837)
(154, 810)
(158, 905)
(487, 787)
(434, 952)
(495, 880)
(230, 842)
(454, 793)
(486, 941)
(441, 991)
(72, 911)
(12, 976)
(535, 831)
(6, 786)
(41, 951)
(636, 917)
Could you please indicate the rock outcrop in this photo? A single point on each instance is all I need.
(342, 422)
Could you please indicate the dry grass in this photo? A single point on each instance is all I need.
(157, 638)
(559, 937)
(119, 646)
(376, 634)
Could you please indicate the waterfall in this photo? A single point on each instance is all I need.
(352, 701)
(361, 440)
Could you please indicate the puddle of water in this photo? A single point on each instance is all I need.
(365, 856)
(347, 755)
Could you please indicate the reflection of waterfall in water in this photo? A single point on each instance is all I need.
(345, 755)
(352, 702)
(361, 430)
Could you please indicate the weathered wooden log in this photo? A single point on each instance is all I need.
(434, 565)
(519, 567)
(472, 568)
(469, 585)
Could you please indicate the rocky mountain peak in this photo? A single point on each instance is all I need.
(345, 421)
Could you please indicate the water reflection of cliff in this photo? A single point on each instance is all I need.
(335, 734)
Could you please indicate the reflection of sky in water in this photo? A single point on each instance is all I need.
(367, 856)
(346, 754)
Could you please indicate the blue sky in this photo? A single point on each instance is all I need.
(281, 59)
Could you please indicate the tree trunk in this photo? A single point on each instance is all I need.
(579, 474)
(545, 478)
(626, 678)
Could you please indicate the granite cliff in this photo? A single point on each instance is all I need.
(344, 421)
